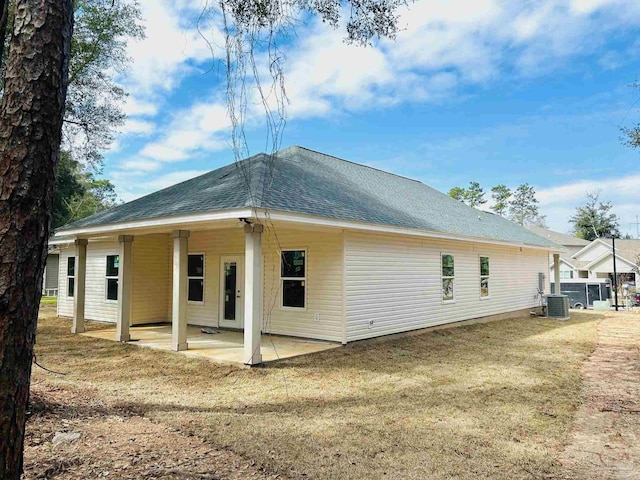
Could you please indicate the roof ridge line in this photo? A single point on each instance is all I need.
(356, 163)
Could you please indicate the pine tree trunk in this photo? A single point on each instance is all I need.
(30, 130)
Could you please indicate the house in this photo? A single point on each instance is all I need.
(597, 259)
(300, 244)
(51, 274)
(570, 267)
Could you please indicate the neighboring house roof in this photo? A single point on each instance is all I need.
(303, 181)
(559, 238)
(628, 249)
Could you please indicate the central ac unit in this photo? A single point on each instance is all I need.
(558, 306)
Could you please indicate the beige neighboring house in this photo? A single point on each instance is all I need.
(570, 267)
(597, 259)
(299, 244)
(587, 260)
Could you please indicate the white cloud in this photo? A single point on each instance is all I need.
(442, 47)
(198, 128)
(130, 191)
(139, 166)
(137, 107)
(166, 54)
(135, 126)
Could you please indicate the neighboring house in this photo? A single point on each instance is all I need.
(597, 259)
(570, 267)
(299, 244)
(51, 275)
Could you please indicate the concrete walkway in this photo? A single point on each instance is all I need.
(605, 442)
(222, 347)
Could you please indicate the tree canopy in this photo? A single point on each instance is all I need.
(472, 196)
(594, 219)
(520, 205)
(78, 193)
(523, 207)
(93, 111)
(500, 195)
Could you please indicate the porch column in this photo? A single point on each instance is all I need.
(252, 294)
(556, 273)
(179, 304)
(79, 294)
(125, 274)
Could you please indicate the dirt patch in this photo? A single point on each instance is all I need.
(605, 441)
(116, 440)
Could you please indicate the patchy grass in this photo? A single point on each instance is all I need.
(482, 401)
(49, 301)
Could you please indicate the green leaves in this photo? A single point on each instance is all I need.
(594, 219)
(93, 110)
(472, 196)
(78, 193)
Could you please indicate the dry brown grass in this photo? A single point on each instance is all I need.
(483, 401)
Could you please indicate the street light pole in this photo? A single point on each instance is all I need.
(615, 273)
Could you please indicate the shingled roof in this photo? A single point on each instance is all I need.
(299, 180)
(559, 238)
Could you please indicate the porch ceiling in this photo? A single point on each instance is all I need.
(222, 347)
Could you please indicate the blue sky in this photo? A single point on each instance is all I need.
(491, 91)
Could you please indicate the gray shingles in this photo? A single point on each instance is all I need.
(303, 181)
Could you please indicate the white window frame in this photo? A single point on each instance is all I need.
(71, 276)
(107, 278)
(204, 270)
(564, 276)
(303, 279)
(442, 278)
(482, 277)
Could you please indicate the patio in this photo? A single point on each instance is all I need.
(225, 347)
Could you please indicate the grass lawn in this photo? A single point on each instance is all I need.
(49, 301)
(476, 402)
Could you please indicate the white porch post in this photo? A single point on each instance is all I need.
(125, 274)
(179, 305)
(252, 294)
(556, 273)
(79, 294)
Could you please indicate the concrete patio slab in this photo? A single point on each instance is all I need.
(222, 347)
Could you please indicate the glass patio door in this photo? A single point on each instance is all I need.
(231, 291)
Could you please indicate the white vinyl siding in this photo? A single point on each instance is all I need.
(51, 272)
(97, 307)
(212, 244)
(323, 316)
(393, 283)
(151, 286)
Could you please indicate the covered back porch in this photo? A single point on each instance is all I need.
(223, 346)
(160, 287)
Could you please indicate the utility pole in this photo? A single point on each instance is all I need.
(615, 273)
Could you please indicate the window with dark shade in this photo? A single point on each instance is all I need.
(113, 268)
(293, 271)
(113, 265)
(195, 274)
(112, 289)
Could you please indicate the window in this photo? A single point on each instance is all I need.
(113, 265)
(566, 274)
(448, 277)
(71, 276)
(195, 275)
(293, 274)
(484, 277)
